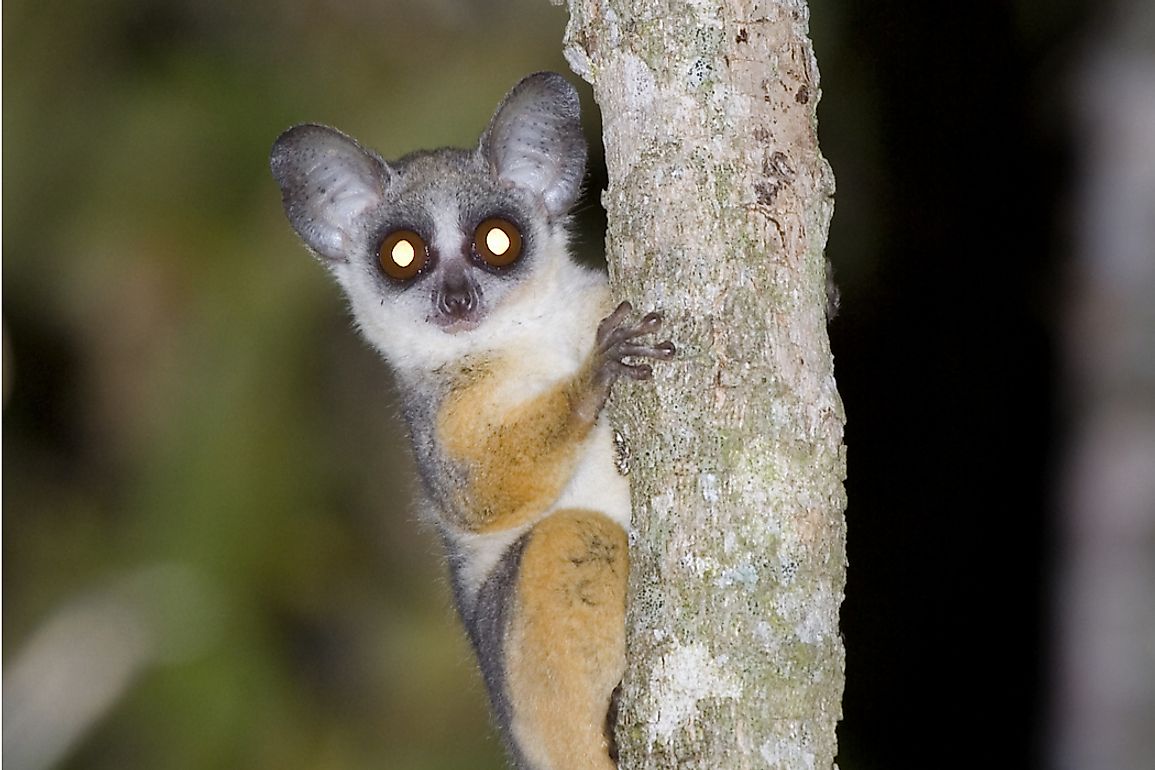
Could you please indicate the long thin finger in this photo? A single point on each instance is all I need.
(663, 350)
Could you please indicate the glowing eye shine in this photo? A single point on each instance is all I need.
(497, 241)
(403, 253)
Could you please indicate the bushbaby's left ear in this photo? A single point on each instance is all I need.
(535, 141)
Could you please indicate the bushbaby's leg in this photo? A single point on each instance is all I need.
(565, 648)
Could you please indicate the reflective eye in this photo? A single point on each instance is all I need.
(497, 241)
(402, 254)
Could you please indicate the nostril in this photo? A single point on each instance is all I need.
(456, 301)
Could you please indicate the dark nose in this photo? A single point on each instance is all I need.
(457, 297)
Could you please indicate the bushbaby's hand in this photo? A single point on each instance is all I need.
(617, 341)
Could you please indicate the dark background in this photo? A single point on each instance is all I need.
(190, 419)
(954, 170)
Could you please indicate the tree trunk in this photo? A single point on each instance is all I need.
(718, 205)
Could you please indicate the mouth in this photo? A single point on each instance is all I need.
(452, 325)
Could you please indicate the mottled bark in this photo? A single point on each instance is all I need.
(718, 204)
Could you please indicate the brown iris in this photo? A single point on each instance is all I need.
(497, 241)
(402, 255)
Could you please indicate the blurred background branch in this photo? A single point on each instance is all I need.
(1105, 710)
(75, 668)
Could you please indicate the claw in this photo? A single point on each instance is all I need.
(651, 320)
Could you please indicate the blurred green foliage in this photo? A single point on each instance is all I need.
(184, 391)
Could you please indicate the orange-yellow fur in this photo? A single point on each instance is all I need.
(518, 457)
(566, 648)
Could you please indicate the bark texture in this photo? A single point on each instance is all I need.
(718, 203)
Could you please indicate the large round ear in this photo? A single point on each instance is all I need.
(535, 141)
(328, 182)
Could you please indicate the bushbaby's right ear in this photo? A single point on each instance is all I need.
(328, 181)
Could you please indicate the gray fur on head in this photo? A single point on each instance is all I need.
(330, 183)
(344, 201)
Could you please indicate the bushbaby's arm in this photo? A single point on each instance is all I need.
(513, 460)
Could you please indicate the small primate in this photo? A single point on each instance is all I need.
(457, 269)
